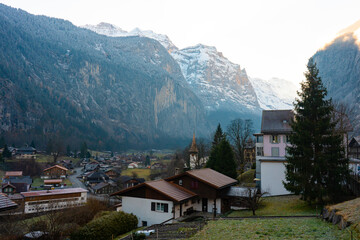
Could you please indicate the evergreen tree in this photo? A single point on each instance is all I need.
(32, 144)
(218, 136)
(222, 159)
(83, 150)
(2, 142)
(147, 160)
(68, 150)
(316, 164)
(6, 153)
(49, 147)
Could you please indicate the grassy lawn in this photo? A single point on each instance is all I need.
(281, 228)
(37, 182)
(280, 206)
(141, 173)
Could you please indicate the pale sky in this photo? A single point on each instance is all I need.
(267, 38)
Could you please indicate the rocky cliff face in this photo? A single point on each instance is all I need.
(339, 67)
(58, 80)
(222, 86)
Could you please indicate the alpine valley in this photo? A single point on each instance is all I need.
(123, 90)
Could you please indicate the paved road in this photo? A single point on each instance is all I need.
(74, 180)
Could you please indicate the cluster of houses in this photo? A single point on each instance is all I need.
(16, 192)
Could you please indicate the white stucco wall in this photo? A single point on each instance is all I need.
(272, 175)
(141, 208)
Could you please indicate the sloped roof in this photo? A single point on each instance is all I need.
(56, 166)
(23, 179)
(170, 190)
(53, 192)
(52, 181)
(276, 121)
(208, 176)
(193, 148)
(100, 185)
(13, 173)
(6, 203)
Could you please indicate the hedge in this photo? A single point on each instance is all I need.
(107, 226)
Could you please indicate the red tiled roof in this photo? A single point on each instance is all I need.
(57, 166)
(209, 176)
(50, 181)
(13, 174)
(170, 190)
(53, 192)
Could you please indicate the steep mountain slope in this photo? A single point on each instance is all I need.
(222, 86)
(274, 93)
(339, 67)
(58, 80)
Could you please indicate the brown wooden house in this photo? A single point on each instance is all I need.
(209, 185)
(55, 171)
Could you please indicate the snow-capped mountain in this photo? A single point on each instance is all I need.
(114, 31)
(219, 83)
(274, 93)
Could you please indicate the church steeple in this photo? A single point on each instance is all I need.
(193, 148)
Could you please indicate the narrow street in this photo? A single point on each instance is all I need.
(76, 183)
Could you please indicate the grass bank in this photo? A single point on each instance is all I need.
(280, 206)
(280, 228)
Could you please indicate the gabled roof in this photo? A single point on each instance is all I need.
(100, 185)
(170, 190)
(56, 166)
(24, 179)
(208, 176)
(13, 173)
(6, 203)
(7, 185)
(276, 121)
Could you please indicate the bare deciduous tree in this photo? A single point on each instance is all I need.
(239, 131)
(253, 199)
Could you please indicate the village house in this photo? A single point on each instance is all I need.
(47, 200)
(271, 144)
(133, 165)
(112, 173)
(354, 148)
(55, 172)
(16, 184)
(105, 188)
(25, 153)
(95, 177)
(161, 200)
(249, 153)
(9, 174)
(127, 181)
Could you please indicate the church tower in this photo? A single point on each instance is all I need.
(194, 154)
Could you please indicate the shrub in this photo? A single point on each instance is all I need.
(104, 227)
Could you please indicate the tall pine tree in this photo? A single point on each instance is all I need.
(218, 136)
(316, 164)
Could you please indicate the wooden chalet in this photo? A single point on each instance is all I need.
(55, 171)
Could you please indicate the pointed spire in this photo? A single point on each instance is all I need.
(193, 148)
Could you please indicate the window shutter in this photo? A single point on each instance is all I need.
(152, 206)
(166, 207)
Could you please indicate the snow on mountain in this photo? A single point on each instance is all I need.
(114, 31)
(219, 83)
(274, 93)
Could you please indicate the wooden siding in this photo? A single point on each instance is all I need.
(201, 189)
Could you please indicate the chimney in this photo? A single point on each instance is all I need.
(177, 171)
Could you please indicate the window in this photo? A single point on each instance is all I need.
(274, 139)
(287, 139)
(194, 184)
(180, 182)
(159, 207)
(259, 139)
(275, 152)
(144, 223)
(259, 151)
